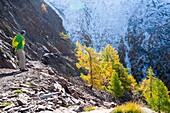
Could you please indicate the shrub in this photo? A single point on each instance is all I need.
(88, 108)
(5, 103)
(64, 36)
(129, 107)
(18, 91)
(44, 8)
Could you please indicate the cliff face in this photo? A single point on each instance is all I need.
(43, 27)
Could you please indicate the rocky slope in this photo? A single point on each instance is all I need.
(42, 89)
(43, 27)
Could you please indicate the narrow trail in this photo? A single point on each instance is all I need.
(9, 76)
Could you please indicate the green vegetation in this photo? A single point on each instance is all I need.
(155, 93)
(18, 91)
(102, 67)
(64, 36)
(5, 103)
(129, 107)
(105, 72)
(88, 108)
(115, 87)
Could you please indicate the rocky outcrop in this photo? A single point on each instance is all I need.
(63, 64)
(7, 59)
(43, 27)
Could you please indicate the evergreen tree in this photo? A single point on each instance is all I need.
(155, 93)
(115, 87)
(150, 75)
(111, 58)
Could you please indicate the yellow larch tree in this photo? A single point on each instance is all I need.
(100, 67)
(111, 58)
(155, 93)
(89, 60)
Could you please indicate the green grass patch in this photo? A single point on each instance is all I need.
(130, 107)
(5, 103)
(64, 36)
(30, 84)
(88, 108)
(18, 91)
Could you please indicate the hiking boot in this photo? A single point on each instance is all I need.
(23, 70)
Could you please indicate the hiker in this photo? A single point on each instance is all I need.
(18, 43)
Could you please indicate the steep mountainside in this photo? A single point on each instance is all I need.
(51, 84)
(147, 42)
(95, 23)
(139, 29)
(43, 27)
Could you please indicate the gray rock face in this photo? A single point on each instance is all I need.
(43, 28)
(62, 64)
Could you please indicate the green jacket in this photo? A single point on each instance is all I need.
(21, 40)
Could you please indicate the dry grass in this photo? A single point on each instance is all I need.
(64, 36)
(130, 107)
(44, 8)
(88, 108)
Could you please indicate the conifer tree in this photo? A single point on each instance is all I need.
(100, 67)
(111, 57)
(155, 93)
(89, 59)
(115, 86)
(150, 75)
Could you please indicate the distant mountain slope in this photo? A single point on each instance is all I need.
(95, 23)
(147, 42)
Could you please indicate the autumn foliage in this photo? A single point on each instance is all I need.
(105, 71)
(155, 93)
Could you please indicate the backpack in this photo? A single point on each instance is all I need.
(14, 45)
(14, 42)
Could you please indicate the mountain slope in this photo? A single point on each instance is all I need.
(147, 41)
(139, 30)
(43, 27)
(51, 84)
(43, 89)
(95, 23)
